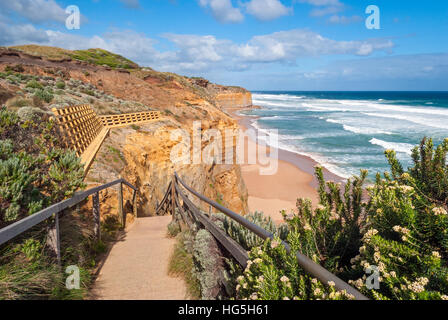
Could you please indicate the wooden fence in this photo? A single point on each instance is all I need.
(126, 119)
(80, 126)
(85, 131)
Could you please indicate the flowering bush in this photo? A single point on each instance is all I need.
(397, 227)
(273, 274)
(408, 235)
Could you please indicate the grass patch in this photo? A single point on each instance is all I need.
(181, 264)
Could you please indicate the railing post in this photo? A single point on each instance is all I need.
(134, 203)
(173, 200)
(120, 205)
(96, 215)
(54, 241)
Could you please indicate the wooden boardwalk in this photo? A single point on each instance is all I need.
(84, 131)
(137, 266)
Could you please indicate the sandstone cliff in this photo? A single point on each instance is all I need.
(139, 154)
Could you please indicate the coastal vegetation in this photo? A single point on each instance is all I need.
(397, 227)
(37, 171)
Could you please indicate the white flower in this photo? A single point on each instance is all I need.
(285, 298)
(439, 211)
(274, 244)
(393, 274)
(284, 279)
(240, 278)
(321, 207)
(307, 227)
(444, 297)
(258, 260)
(331, 283)
(254, 296)
(314, 280)
(401, 230)
(369, 234)
(289, 217)
(317, 291)
(260, 279)
(238, 287)
(436, 254)
(377, 256)
(406, 189)
(419, 285)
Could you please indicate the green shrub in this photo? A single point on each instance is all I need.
(246, 238)
(60, 85)
(181, 263)
(399, 225)
(173, 229)
(273, 274)
(34, 84)
(33, 174)
(208, 265)
(44, 95)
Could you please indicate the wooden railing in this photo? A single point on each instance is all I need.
(126, 119)
(19, 227)
(80, 126)
(176, 199)
(84, 131)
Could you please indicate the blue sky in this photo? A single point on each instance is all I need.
(258, 44)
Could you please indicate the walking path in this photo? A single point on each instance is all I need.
(137, 266)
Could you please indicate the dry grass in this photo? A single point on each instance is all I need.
(52, 53)
(181, 264)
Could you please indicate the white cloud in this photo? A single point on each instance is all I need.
(325, 7)
(322, 2)
(35, 10)
(289, 45)
(194, 53)
(267, 9)
(336, 19)
(223, 10)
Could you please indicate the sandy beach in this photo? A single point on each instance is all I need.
(294, 179)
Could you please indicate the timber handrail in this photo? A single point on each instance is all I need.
(9, 232)
(306, 263)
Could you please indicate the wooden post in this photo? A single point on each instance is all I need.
(96, 215)
(173, 199)
(120, 205)
(54, 241)
(134, 203)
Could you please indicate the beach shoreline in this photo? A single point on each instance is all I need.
(294, 179)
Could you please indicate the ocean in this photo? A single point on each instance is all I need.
(349, 131)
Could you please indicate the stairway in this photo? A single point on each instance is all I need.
(137, 266)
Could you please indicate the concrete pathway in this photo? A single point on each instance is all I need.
(137, 266)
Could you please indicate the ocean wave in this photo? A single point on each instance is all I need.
(365, 130)
(358, 130)
(398, 147)
(434, 123)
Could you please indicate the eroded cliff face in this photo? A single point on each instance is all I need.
(148, 166)
(234, 100)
